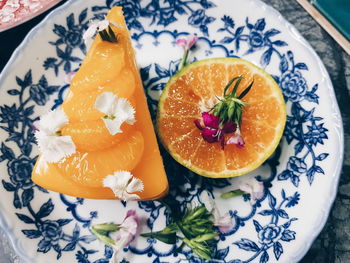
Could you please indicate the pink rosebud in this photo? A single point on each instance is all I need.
(236, 139)
(229, 127)
(211, 132)
(210, 120)
(188, 42)
(210, 135)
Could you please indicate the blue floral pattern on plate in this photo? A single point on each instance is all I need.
(270, 223)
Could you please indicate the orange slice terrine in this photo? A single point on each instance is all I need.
(108, 153)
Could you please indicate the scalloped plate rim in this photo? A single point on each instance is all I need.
(336, 118)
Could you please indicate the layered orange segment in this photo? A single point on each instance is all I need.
(107, 67)
(196, 89)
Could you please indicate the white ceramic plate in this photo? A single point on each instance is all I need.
(301, 177)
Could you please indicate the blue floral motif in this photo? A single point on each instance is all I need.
(293, 85)
(50, 231)
(295, 90)
(257, 38)
(70, 37)
(161, 13)
(17, 122)
(271, 235)
(20, 171)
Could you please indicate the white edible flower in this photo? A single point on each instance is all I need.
(224, 223)
(123, 185)
(117, 110)
(95, 27)
(53, 146)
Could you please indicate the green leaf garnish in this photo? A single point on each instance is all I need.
(101, 230)
(108, 35)
(195, 229)
(232, 194)
(230, 106)
(168, 238)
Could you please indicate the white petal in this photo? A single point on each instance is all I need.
(117, 180)
(124, 195)
(52, 121)
(117, 256)
(258, 186)
(106, 103)
(41, 165)
(207, 201)
(114, 24)
(54, 148)
(113, 126)
(102, 25)
(129, 197)
(224, 223)
(118, 108)
(210, 204)
(124, 111)
(119, 183)
(129, 225)
(90, 32)
(136, 185)
(245, 187)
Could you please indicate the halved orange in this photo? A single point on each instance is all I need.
(195, 89)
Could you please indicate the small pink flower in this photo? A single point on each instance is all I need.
(254, 188)
(223, 223)
(212, 132)
(236, 139)
(127, 230)
(36, 125)
(188, 42)
(126, 233)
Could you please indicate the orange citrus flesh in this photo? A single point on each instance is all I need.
(80, 105)
(194, 90)
(96, 136)
(90, 168)
(103, 63)
(107, 67)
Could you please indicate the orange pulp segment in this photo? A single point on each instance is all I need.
(80, 105)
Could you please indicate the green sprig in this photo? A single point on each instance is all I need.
(233, 193)
(195, 229)
(108, 35)
(102, 230)
(230, 107)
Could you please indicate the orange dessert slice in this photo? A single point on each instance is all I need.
(108, 67)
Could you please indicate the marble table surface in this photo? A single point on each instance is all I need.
(333, 243)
